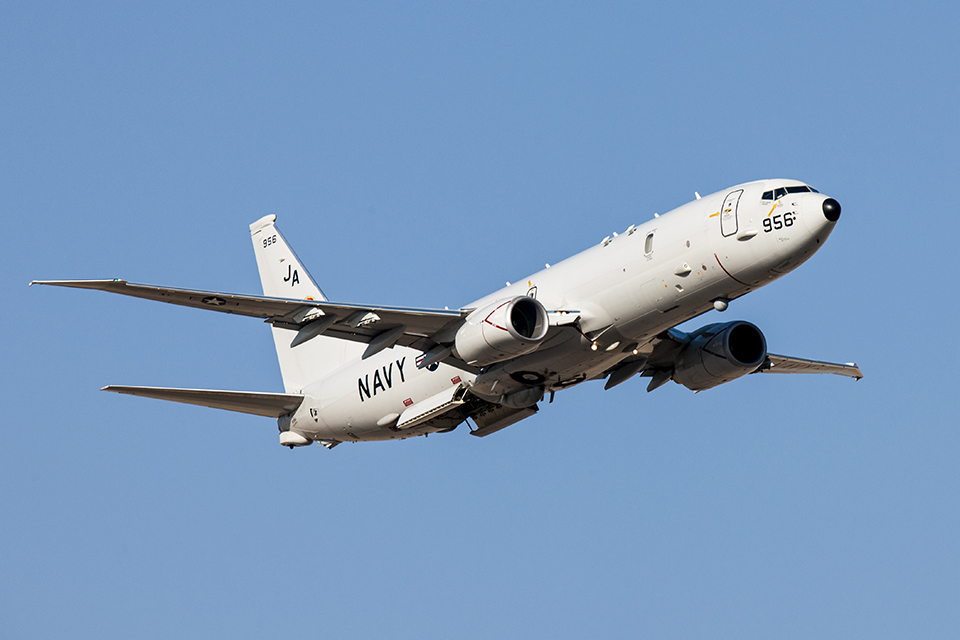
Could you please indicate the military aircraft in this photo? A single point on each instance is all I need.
(355, 373)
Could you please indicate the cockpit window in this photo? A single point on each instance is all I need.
(776, 194)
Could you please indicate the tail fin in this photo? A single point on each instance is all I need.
(281, 272)
(284, 276)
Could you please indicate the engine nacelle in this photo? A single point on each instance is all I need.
(502, 330)
(719, 353)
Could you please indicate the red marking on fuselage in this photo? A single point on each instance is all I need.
(727, 272)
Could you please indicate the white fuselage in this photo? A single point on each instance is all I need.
(626, 291)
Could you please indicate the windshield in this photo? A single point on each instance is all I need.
(776, 194)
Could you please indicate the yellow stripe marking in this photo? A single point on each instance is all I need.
(714, 215)
(772, 210)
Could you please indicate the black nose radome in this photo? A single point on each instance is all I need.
(831, 209)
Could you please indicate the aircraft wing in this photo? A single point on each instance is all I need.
(358, 323)
(655, 359)
(786, 364)
(271, 405)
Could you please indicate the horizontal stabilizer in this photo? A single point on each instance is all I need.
(271, 405)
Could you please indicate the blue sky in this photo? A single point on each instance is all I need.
(422, 154)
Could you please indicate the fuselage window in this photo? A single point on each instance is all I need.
(803, 189)
(648, 244)
(779, 193)
(767, 195)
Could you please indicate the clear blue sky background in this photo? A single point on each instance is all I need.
(422, 154)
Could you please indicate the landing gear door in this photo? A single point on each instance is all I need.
(728, 214)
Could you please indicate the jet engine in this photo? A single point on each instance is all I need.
(719, 353)
(502, 330)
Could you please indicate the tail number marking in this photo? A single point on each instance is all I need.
(269, 240)
(778, 222)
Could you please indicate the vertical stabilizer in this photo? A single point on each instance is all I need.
(284, 276)
(281, 272)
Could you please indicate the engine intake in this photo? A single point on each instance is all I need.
(502, 330)
(719, 353)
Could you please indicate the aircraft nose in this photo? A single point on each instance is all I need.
(831, 209)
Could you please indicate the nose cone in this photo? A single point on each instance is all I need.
(831, 209)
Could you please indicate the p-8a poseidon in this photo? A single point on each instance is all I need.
(355, 373)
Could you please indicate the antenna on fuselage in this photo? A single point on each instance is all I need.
(696, 194)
